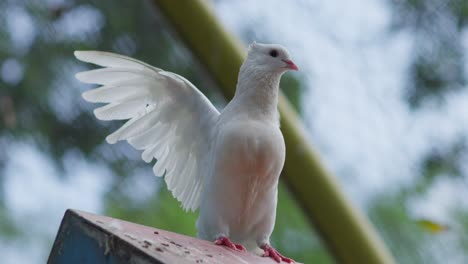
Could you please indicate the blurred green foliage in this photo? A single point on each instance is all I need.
(438, 64)
(7, 227)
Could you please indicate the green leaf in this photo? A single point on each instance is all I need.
(431, 226)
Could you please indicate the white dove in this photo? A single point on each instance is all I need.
(227, 164)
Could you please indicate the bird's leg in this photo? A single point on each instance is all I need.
(269, 251)
(225, 241)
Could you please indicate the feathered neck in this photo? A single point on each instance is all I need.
(257, 90)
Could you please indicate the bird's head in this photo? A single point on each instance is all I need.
(270, 57)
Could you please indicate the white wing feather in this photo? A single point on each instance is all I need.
(169, 118)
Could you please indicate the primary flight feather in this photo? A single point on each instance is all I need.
(225, 164)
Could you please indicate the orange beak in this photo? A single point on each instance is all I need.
(290, 65)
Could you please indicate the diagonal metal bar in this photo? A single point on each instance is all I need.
(348, 234)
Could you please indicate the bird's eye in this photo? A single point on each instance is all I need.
(273, 53)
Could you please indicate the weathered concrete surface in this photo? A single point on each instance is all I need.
(88, 238)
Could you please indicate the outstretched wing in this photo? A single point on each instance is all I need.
(169, 118)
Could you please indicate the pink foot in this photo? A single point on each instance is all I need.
(224, 241)
(274, 254)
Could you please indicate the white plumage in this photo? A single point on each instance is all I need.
(227, 164)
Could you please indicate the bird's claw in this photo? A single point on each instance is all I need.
(224, 241)
(274, 254)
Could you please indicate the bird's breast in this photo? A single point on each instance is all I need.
(251, 149)
(247, 160)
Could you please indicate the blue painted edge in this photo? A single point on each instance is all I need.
(80, 241)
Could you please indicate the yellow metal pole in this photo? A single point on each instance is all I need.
(348, 234)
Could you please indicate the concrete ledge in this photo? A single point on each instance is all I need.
(88, 238)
